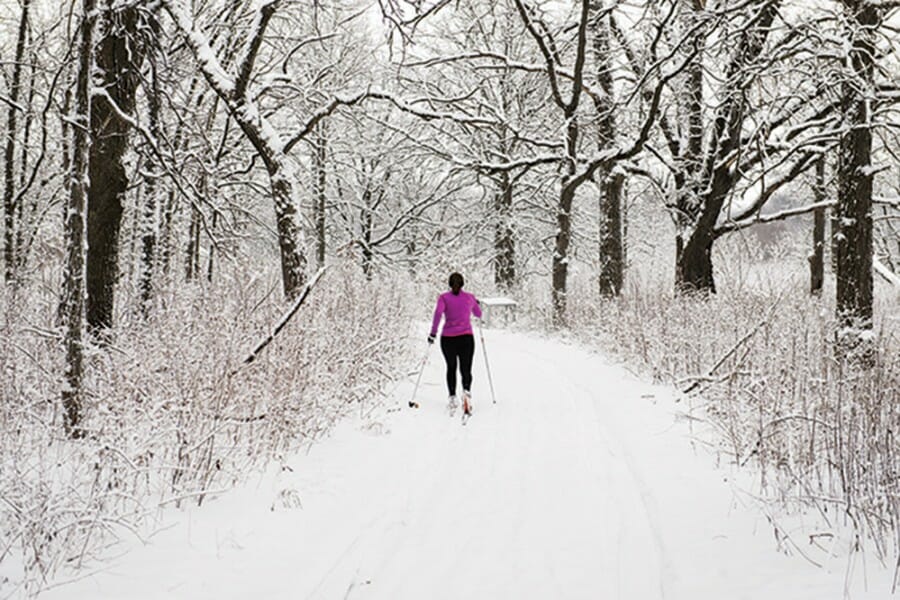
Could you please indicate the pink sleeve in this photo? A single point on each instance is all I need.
(476, 308)
(438, 313)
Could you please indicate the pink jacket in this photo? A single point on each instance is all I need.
(456, 310)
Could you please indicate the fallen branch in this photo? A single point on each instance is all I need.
(285, 319)
(734, 348)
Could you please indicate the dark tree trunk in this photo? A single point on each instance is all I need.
(293, 258)
(367, 223)
(695, 270)
(192, 255)
(504, 236)
(149, 218)
(817, 258)
(119, 58)
(854, 207)
(210, 257)
(9, 154)
(74, 280)
(611, 252)
(835, 234)
(560, 265)
(319, 159)
(612, 259)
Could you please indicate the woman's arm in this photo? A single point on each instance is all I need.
(476, 308)
(438, 313)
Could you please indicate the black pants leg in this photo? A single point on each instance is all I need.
(459, 348)
(466, 352)
(448, 349)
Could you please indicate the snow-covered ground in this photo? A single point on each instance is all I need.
(581, 482)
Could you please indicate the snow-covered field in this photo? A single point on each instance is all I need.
(581, 482)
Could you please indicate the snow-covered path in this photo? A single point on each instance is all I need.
(579, 483)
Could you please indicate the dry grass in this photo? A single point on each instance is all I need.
(171, 414)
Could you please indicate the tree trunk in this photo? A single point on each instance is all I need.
(9, 154)
(192, 253)
(367, 222)
(27, 219)
(695, 270)
(610, 248)
(854, 207)
(149, 216)
(711, 185)
(119, 58)
(319, 158)
(612, 263)
(74, 277)
(817, 258)
(561, 256)
(504, 237)
(293, 260)
(690, 158)
(211, 254)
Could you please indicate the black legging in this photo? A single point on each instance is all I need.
(460, 347)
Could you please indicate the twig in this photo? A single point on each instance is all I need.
(285, 319)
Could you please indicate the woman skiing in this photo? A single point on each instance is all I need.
(457, 339)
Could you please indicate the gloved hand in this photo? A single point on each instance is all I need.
(430, 339)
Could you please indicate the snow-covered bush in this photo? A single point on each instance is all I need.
(172, 414)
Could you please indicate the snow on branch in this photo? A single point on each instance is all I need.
(401, 104)
(212, 69)
(254, 41)
(778, 216)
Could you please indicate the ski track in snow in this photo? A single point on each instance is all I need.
(578, 483)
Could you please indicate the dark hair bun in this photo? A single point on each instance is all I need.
(456, 282)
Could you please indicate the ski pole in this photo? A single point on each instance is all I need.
(412, 401)
(486, 364)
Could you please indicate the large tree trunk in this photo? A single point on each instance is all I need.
(74, 277)
(293, 259)
(257, 129)
(9, 154)
(504, 236)
(560, 266)
(686, 181)
(149, 215)
(612, 258)
(710, 190)
(817, 258)
(854, 208)
(119, 58)
(611, 253)
(695, 269)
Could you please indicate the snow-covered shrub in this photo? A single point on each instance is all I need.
(172, 414)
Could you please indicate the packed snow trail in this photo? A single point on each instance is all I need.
(579, 483)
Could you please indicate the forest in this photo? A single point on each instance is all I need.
(707, 191)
